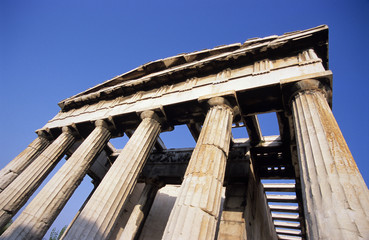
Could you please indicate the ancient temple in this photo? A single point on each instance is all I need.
(219, 189)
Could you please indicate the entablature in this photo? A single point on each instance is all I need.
(184, 66)
(255, 72)
(257, 87)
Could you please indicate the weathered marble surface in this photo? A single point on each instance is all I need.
(100, 214)
(38, 216)
(196, 210)
(20, 162)
(140, 211)
(335, 196)
(21, 189)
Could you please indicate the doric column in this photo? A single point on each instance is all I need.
(21, 189)
(336, 199)
(195, 212)
(98, 217)
(38, 216)
(20, 162)
(140, 211)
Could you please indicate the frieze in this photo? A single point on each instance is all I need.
(184, 155)
(189, 84)
(308, 57)
(263, 66)
(223, 76)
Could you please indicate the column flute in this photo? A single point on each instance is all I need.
(336, 199)
(195, 212)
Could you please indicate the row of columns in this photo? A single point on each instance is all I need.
(20, 162)
(329, 177)
(20, 190)
(40, 213)
(98, 217)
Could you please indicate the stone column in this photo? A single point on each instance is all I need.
(336, 199)
(140, 212)
(195, 212)
(38, 216)
(20, 162)
(22, 188)
(98, 217)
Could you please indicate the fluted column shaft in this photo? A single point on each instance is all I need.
(38, 216)
(21, 189)
(99, 216)
(336, 199)
(195, 212)
(20, 162)
(140, 211)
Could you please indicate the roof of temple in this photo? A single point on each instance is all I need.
(183, 66)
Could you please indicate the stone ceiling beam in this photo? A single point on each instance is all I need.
(195, 129)
(253, 129)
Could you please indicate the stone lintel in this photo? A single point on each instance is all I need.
(326, 76)
(251, 91)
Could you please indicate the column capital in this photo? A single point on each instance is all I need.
(70, 130)
(159, 116)
(225, 99)
(101, 123)
(44, 133)
(150, 114)
(308, 85)
(219, 101)
(291, 90)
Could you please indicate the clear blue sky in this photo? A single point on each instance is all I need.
(51, 50)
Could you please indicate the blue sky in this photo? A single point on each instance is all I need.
(51, 50)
